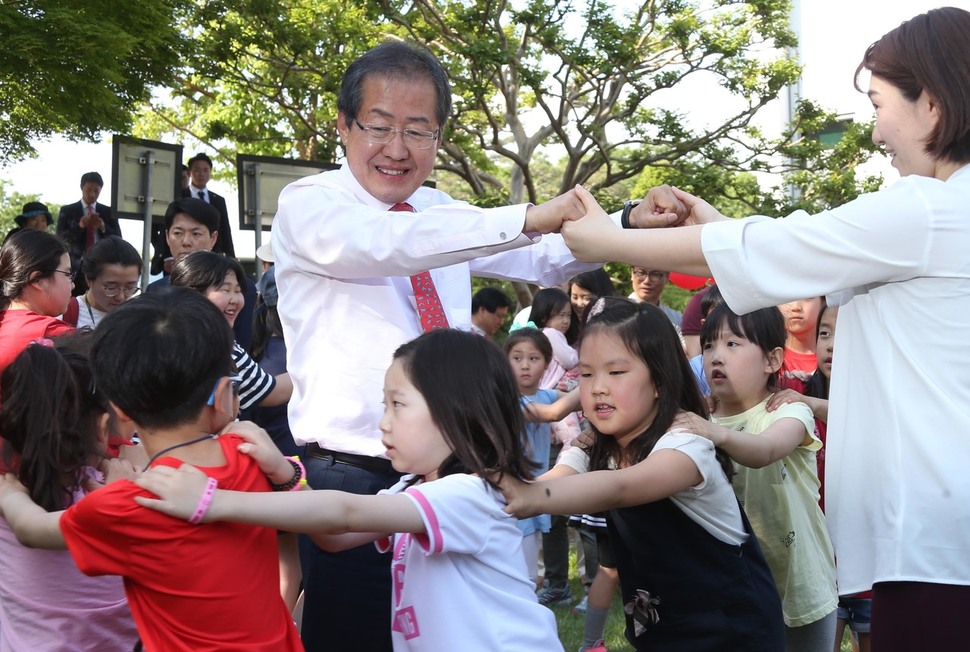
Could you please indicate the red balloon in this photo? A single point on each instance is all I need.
(689, 282)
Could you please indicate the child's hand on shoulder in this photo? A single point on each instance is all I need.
(518, 496)
(112, 469)
(784, 397)
(698, 425)
(179, 490)
(261, 448)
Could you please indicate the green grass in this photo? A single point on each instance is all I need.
(571, 625)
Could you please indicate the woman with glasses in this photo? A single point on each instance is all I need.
(112, 268)
(36, 282)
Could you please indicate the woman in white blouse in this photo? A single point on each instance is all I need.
(898, 263)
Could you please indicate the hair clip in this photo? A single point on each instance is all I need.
(596, 308)
(528, 324)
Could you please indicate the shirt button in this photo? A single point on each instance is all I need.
(502, 235)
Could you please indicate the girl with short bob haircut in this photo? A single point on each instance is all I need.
(202, 270)
(547, 306)
(777, 478)
(451, 421)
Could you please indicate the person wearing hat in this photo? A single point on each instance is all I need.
(34, 216)
(84, 222)
(265, 255)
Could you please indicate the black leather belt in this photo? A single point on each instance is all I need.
(375, 464)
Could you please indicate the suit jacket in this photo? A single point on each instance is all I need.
(224, 241)
(69, 228)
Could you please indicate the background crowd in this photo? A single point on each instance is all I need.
(687, 449)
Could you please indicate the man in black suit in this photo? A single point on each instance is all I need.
(200, 169)
(83, 223)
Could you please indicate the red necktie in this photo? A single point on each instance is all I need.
(90, 231)
(430, 311)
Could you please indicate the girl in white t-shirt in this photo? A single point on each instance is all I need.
(680, 539)
(777, 480)
(451, 421)
(55, 425)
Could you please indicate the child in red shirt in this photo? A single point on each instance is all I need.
(164, 361)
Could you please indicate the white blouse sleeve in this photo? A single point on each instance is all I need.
(887, 236)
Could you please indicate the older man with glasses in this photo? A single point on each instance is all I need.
(368, 258)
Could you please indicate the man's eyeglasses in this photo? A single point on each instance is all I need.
(640, 274)
(235, 380)
(68, 274)
(112, 291)
(382, 134)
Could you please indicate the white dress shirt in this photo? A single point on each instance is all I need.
(897, 475)
(342, 267)
(195, 193)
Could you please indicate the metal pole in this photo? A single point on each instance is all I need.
(147, 202)
(253, 179)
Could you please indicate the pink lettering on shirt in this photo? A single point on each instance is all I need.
(406, 622)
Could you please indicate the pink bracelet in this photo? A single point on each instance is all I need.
(204, 501)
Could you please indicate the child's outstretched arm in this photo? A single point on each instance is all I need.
(181, 493)
(566, 403)
(33, 526)
(751, 450)
(661, 475)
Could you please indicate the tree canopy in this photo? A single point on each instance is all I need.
(78, 67)
(586, 85)
(547, 94)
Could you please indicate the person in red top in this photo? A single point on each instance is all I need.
(35, 287)
(163, 361)
(801, 318)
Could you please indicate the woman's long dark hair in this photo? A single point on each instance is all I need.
(648, 334)
(49, 411)
(473, 399)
